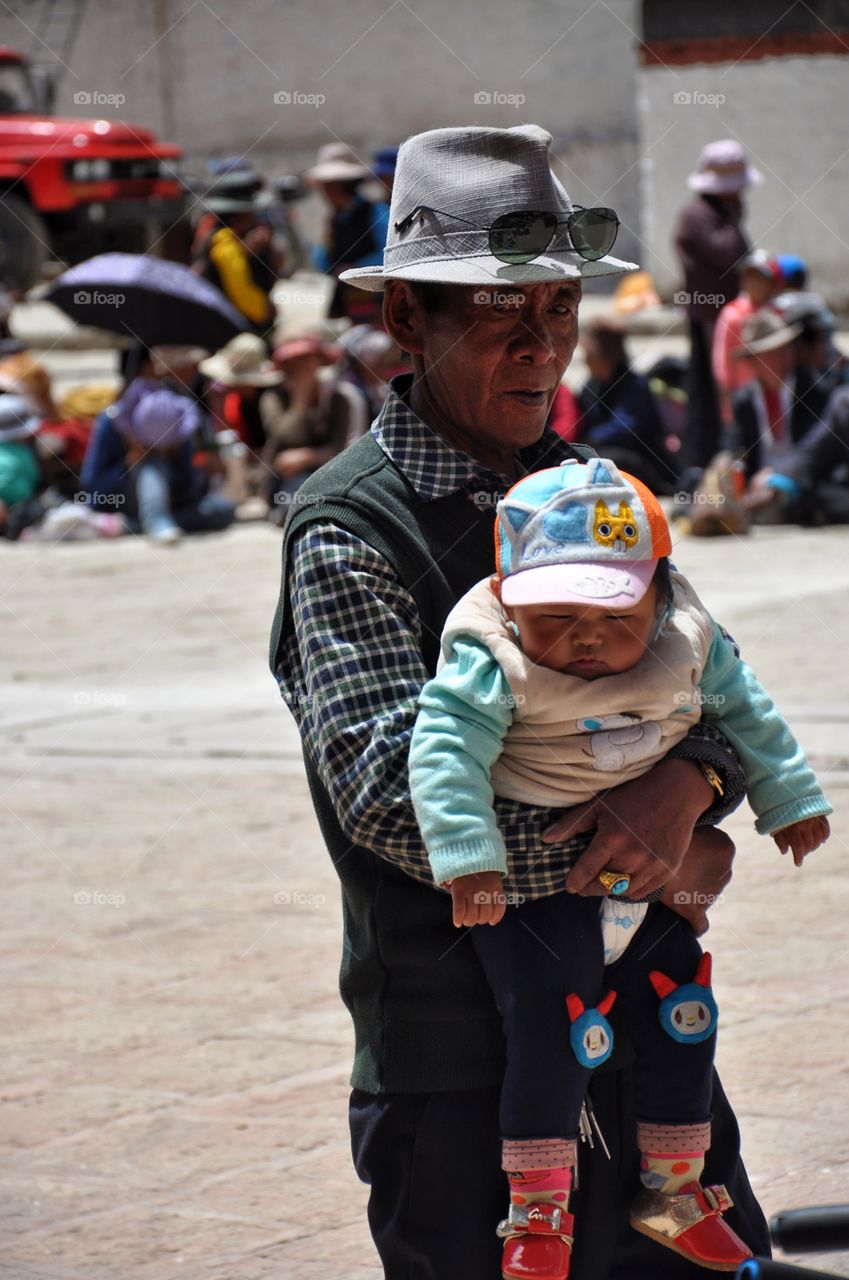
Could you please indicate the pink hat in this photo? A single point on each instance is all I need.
(581, 533)
(292, 348)
(723, 170)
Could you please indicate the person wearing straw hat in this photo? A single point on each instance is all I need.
(481, 277)
(711, 245)
(356, 229)
(240, 374)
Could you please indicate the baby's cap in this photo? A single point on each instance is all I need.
(581, 533)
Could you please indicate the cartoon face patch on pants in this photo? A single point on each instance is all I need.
(591, 1036)
(618, 740)
(688, 1011)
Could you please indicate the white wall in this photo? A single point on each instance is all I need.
(790, 114)
(386, 69)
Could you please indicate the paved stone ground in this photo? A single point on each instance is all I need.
(175, 1088)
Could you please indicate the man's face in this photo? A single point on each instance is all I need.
(493, 358)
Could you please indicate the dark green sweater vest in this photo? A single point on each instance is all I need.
(424, 1017)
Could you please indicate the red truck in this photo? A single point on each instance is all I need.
(70, 188)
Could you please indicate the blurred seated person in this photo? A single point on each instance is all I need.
(369, 359)
(810, 485)
(311, 417)
(20, 473)
(239, 373)
(769, 419)
(794, 271)
(140, 460)
(9, 295)
(618, 415)
(233, 252)
(820, 366)
(61, 437)
(760, 279)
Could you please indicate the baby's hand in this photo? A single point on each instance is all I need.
(478, 898)
(802, 837)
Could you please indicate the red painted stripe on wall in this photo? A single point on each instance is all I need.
(685, 53)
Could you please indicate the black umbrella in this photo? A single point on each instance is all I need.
(149, 299)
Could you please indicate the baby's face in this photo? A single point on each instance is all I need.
(586, 642)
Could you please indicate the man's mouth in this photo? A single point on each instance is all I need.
(529, 397)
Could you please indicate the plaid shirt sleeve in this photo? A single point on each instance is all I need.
(351, 672)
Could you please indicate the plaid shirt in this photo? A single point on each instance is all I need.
(351, 669)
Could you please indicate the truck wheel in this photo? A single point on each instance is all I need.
(24, 240)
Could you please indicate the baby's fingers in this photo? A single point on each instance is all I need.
(780, 838)
(498, 909)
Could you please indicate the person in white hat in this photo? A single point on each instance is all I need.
(356, 228)
(482, 280)
(711, 247)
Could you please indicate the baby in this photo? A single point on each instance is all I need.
(574, 669)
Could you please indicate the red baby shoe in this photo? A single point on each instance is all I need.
(691, 1224)
(537, 1242)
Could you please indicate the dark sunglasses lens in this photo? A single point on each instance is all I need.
(521, 237)
(592, 232)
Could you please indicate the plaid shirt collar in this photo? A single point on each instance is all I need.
(436, 468)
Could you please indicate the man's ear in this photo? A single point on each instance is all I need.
(403, 318)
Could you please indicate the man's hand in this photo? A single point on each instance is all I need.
(478, 898)
(802, 837)
(643, 828)
(702, 878)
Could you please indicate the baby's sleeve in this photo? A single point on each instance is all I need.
(464, 713)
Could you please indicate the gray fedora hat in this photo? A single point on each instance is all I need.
(462, 180)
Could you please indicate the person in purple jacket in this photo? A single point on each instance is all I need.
(139, 459)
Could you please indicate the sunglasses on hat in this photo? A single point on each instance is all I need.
(519, 237)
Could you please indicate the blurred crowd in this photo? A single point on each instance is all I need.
(751, 426)
(192, 442)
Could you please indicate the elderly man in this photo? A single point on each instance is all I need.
(394, 530)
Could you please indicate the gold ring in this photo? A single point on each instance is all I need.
(615, 882)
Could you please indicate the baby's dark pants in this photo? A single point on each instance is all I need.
(542, 951)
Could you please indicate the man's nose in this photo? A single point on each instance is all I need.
(532, 340)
